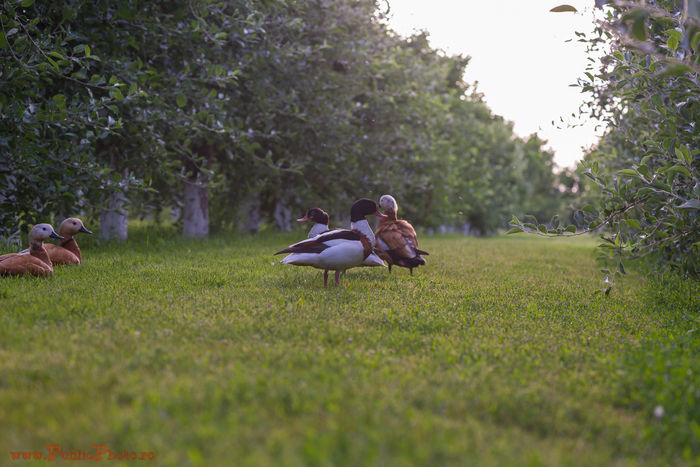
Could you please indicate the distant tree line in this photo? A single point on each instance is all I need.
(243, 112)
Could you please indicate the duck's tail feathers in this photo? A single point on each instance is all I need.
(287, 259)
(373, 260)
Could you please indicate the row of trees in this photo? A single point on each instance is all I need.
(246, 111)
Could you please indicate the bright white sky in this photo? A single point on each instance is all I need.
(519, 57)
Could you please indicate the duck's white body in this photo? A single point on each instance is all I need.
(363, 226)
(338, 254)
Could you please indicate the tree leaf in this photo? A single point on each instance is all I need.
(679, 154)
(678, 169)
(514, 230)
(634, 223)
(676, 69)
(27, 3)
(563, 9)
(639, 29)
(672, 43)
(52, 62)
(571, 229)
(696, 41)
(181, 100)
(638, 16)
(690, 204)
(631, 172)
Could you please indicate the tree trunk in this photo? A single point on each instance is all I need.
(283, 217)
(251, 214)
(113, 218)
(195, 210)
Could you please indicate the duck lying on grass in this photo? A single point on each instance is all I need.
(68, 251)
(339, 249)
(396, 239)
(35, 261)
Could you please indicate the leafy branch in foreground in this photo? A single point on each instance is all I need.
(645, 172)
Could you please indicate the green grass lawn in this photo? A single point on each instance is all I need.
(498, 352)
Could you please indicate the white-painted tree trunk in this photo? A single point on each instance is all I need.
(283, 217)
(113, 218)
(250, 220)
(195, 210)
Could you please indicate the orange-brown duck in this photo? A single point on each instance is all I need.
(33, 262)
(68, 251)
(396, 239)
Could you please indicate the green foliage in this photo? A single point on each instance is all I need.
(295, 103)
(645, 172)
(55, 106)
(494, 353)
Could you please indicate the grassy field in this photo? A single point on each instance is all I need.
(210, 353)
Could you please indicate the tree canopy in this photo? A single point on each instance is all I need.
(250, 108)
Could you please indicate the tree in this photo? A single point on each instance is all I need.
(646, 168)
(55, 108)
(243, 109)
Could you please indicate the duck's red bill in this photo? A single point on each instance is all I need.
(303, 219)
(379, 214)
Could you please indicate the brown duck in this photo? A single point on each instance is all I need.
(67, 252)
(396, 239)
(33, 262)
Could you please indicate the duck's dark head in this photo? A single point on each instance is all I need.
(316, 215)
(364, 207)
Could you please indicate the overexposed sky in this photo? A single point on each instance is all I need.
(519, 57)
